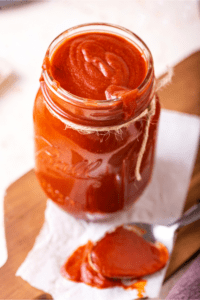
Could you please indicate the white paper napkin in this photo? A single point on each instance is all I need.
(161, 202)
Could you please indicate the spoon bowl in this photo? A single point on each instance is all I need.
(164, 233)
(135, 250)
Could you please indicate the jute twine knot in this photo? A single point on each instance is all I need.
(149, 112)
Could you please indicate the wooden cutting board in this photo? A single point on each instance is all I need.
(25, 202)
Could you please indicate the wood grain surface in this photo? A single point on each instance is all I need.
(25, 202)
(183, 95)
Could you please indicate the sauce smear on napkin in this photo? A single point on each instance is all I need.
(119, 255)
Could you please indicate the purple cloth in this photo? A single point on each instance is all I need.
(188, 286)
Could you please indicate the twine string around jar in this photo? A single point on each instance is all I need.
(149, 112)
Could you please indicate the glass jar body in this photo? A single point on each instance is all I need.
(91, 175)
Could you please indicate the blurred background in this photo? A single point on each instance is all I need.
(171, 29)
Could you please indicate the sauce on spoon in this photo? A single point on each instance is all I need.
(119, 255)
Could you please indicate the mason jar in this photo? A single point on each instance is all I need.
(94, 157)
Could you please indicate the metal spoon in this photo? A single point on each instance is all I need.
(159, 233)
(164, 234)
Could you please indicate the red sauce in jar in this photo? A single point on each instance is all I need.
(92, 175)
(98, 66)
(120, 254)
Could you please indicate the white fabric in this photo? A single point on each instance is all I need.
(161, 202)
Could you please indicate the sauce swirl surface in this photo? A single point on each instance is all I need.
(98, 66)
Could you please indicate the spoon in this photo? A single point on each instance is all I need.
(164, 233)
(137, 248)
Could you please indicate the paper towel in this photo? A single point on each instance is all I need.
(161, 202)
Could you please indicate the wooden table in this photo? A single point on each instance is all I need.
(25, 201)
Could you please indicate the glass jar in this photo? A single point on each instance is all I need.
(94, 158)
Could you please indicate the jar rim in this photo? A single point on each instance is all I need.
(86, 27)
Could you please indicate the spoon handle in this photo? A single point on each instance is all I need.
(191, 215)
